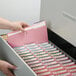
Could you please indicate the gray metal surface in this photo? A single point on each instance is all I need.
(11, 56)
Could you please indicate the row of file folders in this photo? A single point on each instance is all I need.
(46, 59)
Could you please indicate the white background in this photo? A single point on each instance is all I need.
(20, 10)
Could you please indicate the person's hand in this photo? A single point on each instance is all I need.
(16, 26)
(5, 66)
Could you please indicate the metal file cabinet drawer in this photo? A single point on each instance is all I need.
(7, 53)
(49, 54)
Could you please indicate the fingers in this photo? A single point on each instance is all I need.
(7, 72)
(18, 26)
(23, 26)
(12, 67)
(5, 68)
(22, 29)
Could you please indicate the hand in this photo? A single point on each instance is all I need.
(6, 24)
(5, 66)
(18, 26)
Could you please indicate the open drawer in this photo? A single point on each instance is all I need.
(11, 56)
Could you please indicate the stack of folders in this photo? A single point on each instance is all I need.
(47, 60)
(44, 58)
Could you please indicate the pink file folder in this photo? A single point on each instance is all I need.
(36, 33)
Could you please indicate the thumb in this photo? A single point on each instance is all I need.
(22, 29)
(12, 67)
